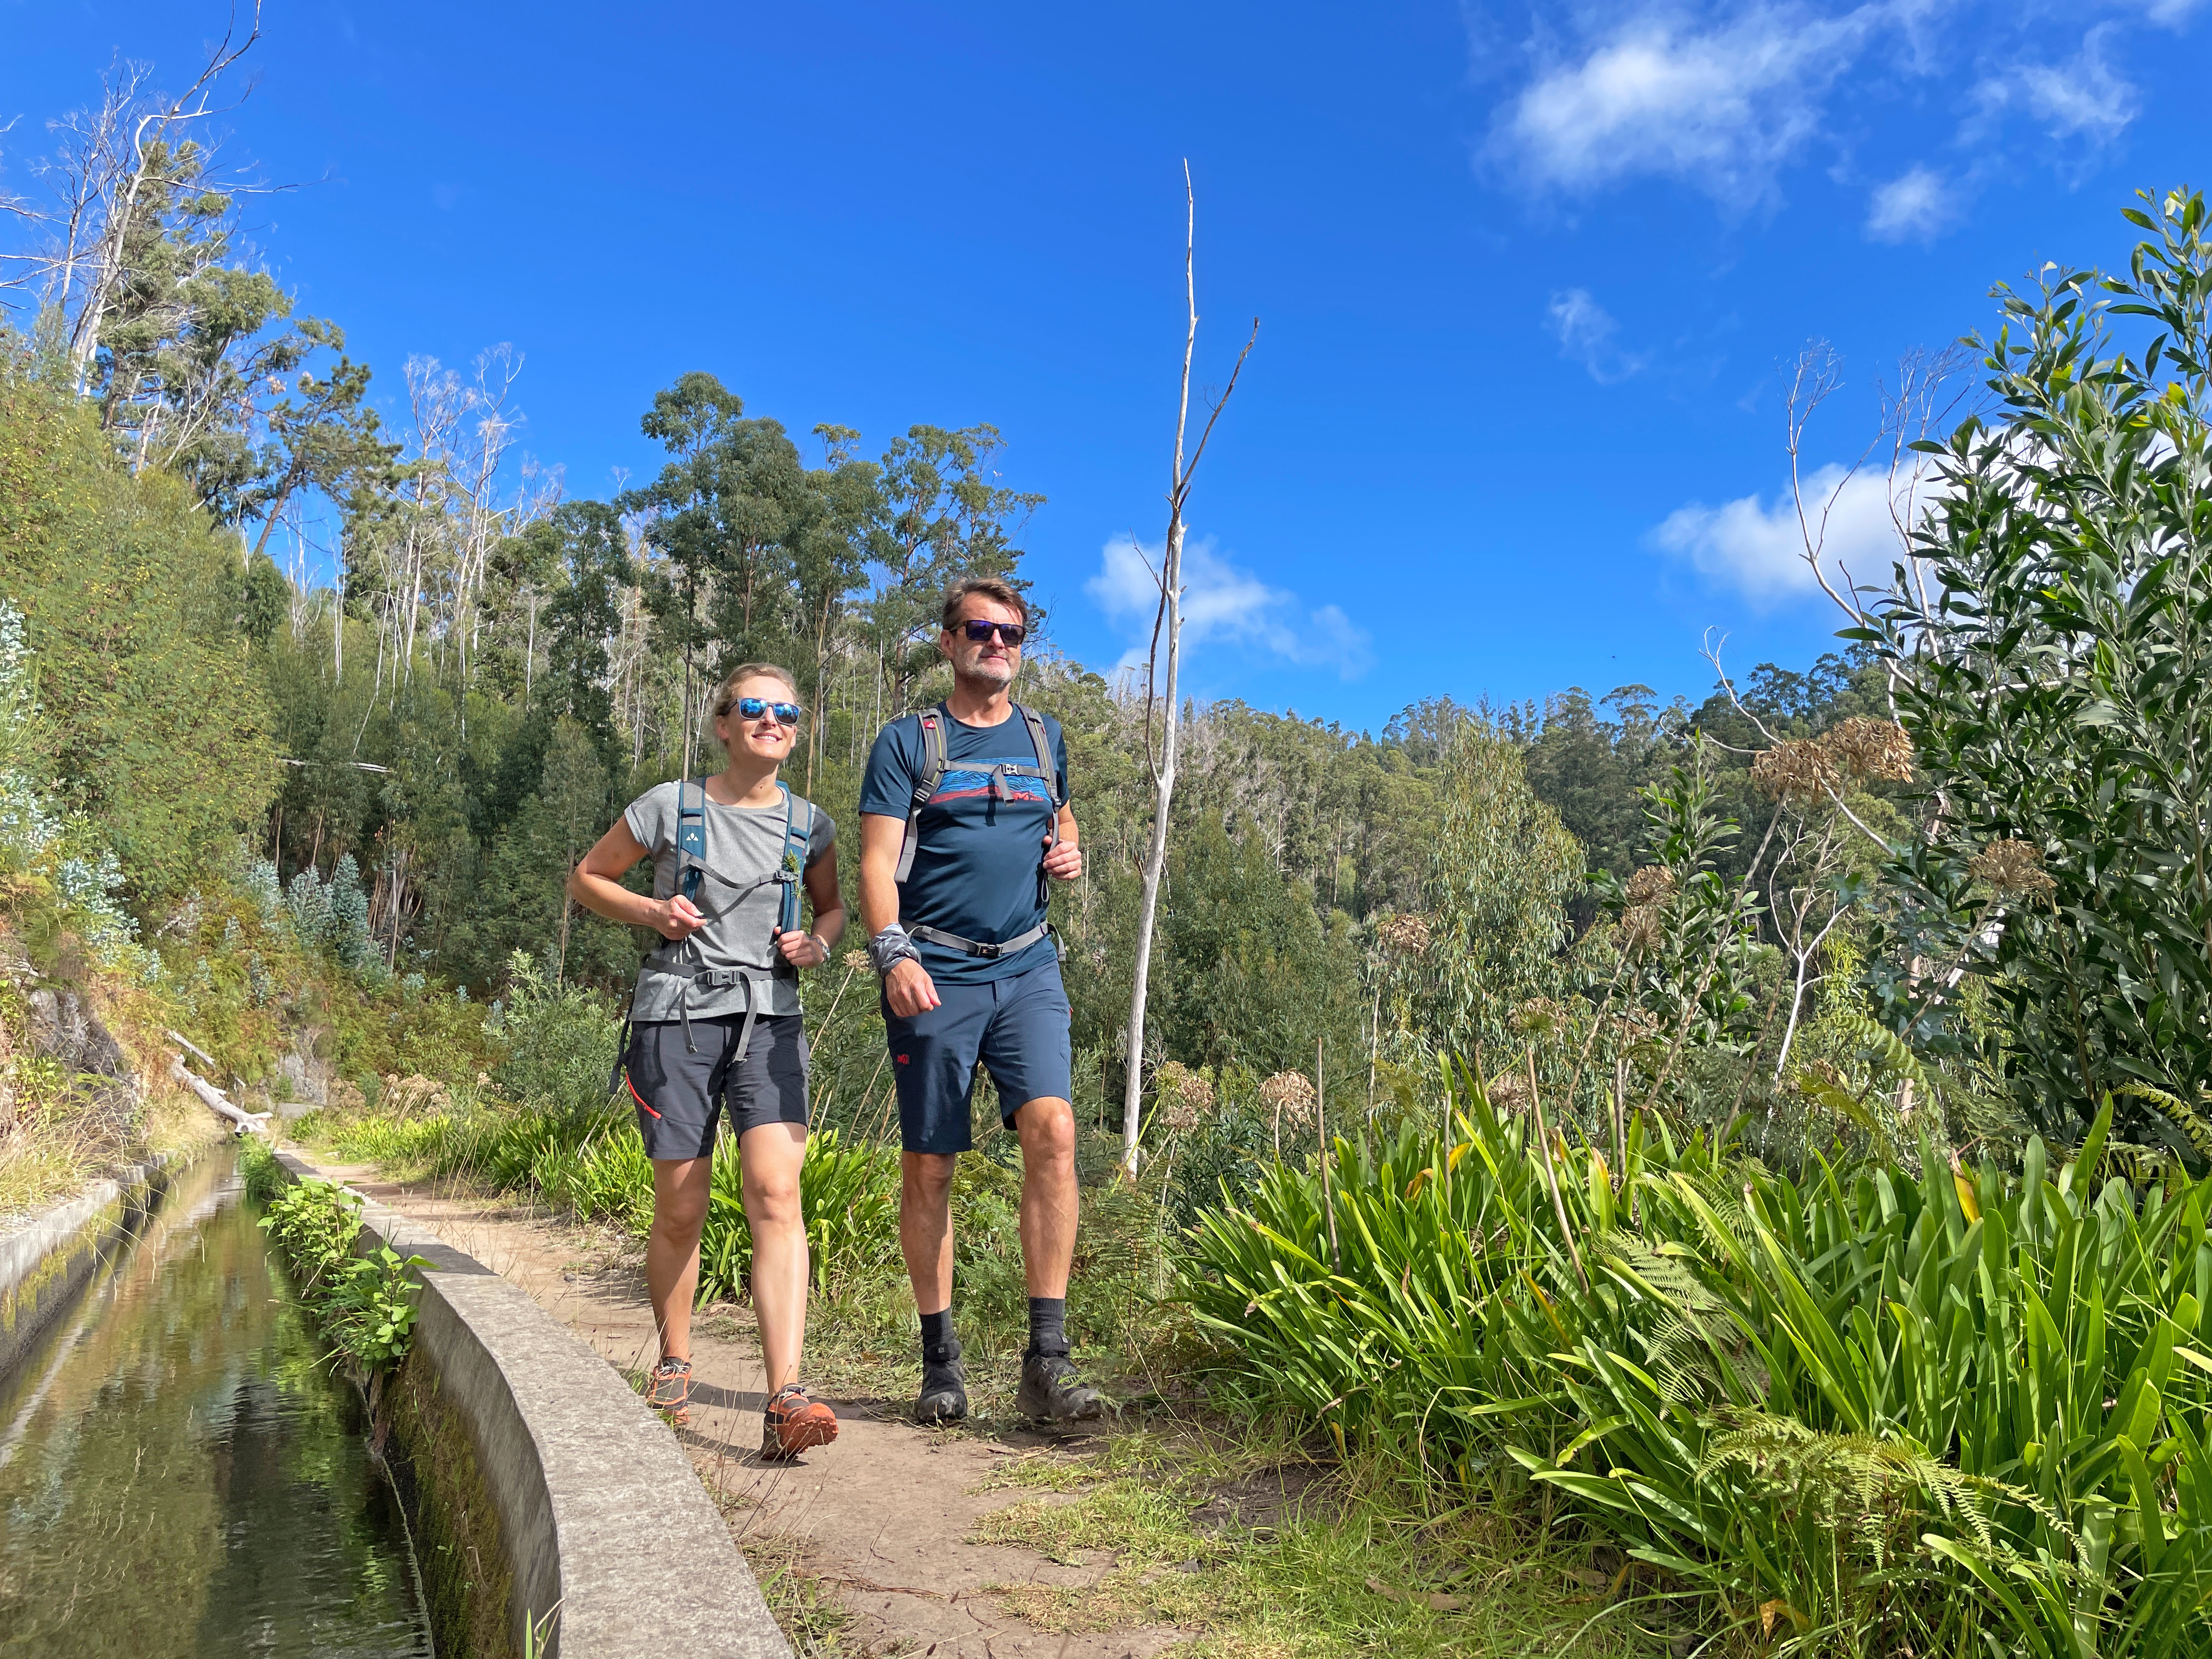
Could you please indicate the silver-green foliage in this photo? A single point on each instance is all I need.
(1501, 872)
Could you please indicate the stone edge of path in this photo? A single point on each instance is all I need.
(45, 1259)
(601, 1511)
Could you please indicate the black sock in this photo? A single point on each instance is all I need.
(937, 1335)
(1048, 1324)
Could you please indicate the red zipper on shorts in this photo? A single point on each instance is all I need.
(634, 1094)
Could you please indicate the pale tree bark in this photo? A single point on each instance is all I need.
(1168, 625)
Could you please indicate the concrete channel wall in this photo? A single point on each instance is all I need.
(593, 1507)
(44, 1263)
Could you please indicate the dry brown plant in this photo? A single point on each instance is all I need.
(2014, 869)
(1404, 936)
(1798, 770)
(1872, 749)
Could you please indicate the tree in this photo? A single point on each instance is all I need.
(324, 439)
(1501, 873)
(2053, 687)
(939, 516)
(1168, 624)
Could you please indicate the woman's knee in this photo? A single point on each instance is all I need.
(773, 1201)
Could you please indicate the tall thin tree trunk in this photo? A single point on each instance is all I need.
(1170, 621)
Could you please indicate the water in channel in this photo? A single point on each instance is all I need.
(181, 1475)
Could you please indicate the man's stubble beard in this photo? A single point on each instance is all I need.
(995, 676)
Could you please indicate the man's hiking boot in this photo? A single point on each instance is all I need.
(791, 1423)
(1051, 1392)
(668, 1390)
(944, 1386)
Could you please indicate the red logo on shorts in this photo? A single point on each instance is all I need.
(901, 1059)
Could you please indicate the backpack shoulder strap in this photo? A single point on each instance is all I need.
(1040, 741)
(690, 839)
(934, 739)
(797, 839)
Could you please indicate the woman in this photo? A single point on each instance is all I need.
(716, 1022)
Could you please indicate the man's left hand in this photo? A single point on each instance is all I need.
(1063, 860)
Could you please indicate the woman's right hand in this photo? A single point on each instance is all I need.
(676, 917)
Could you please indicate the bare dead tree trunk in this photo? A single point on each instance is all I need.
(1168, 621)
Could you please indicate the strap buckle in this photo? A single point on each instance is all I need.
(987, 951)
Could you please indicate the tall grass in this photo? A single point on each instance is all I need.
(1921, 1407)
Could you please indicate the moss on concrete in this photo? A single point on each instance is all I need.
(466, 1581)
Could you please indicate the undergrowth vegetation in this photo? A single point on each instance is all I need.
(365, 1304)
(1883, 1408)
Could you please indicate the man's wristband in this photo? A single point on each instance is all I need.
(890, 948)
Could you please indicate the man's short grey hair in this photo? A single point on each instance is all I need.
(991, 587)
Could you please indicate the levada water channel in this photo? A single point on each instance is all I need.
(181, 1475)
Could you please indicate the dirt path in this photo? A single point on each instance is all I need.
(882, 1516)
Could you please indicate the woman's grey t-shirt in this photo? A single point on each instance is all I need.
(743, 843)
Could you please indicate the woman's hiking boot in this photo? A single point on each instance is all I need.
(1051, 1392)
(943, 1385)
(791, 1423)
(668, 1390)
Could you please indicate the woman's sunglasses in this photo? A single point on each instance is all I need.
(751, 708)
(1008, 633)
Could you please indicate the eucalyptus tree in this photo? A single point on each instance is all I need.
(941, 515)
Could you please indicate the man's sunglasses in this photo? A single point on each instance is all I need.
(1008, 633)
(751, 708)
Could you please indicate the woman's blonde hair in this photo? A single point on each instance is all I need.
(750, 670)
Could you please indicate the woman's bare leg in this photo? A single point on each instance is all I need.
(772, 1154)
(681, 1187)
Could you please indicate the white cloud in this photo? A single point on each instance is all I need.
(1225, 603)
(2083, 97)
(1761, 551)
(2169, 14)
(1913, 206)
(1585, 331)
(1722, 106)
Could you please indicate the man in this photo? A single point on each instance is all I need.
(962, 818)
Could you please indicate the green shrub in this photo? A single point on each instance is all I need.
(560, 1042)
(365, 1304)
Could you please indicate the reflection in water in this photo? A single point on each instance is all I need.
(179, 1474)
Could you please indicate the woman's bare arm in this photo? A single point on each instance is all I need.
(596, 884)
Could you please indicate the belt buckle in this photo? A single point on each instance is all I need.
(986, 951)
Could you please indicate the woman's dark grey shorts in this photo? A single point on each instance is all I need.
(680, 1096)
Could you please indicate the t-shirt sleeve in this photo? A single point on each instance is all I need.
(822, 837)
(1059, 755)
(651, 818)
(887, 787)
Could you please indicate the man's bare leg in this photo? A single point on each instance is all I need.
(1046, 1128)
(1050, 1388)
(925, 1241)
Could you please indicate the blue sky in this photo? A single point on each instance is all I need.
(1529, 280)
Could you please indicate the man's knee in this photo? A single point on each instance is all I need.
(1046, 1127)
(926, 1178)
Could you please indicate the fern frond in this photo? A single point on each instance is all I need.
(2175, 1111)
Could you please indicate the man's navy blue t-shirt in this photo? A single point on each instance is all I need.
(975, 863)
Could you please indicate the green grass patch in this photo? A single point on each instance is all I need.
(1340, 1572)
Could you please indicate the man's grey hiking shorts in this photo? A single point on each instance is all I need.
(680, 1096)
(1017, 1027)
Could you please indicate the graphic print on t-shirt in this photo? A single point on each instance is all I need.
(965, 782)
